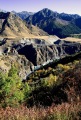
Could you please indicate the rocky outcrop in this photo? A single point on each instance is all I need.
(37, 51)
(21, 63)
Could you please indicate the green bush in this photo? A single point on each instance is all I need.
(10, 88)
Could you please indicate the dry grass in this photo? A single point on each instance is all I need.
(72, 39)
(30, 37)
(61, 112)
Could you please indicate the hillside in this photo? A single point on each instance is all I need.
(51, 93)
(54, 23)
(57, 83)
(13, 26)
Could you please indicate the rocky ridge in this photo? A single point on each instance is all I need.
(13, 26)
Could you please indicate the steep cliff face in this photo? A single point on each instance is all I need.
(36, 51)
(39, 54)
(39, 51)
(30, 52)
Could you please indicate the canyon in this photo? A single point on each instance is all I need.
(31, 53)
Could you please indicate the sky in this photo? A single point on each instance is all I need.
(66, 6)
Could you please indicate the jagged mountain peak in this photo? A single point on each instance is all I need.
(46, 10)
(62, 25)
(46, 13)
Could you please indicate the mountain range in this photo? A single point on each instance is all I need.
(28, 23)
(53, 23)
(23, 15)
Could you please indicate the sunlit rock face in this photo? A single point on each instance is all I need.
(40, 51)
(34, 52)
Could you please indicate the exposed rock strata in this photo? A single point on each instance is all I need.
(36, 51)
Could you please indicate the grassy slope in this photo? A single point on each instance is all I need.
(60, 90)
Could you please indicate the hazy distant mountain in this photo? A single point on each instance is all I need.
(3, 10)
(23, 14)
(12, 25)
(54, 23)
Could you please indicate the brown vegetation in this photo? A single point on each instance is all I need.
(52, 94)
(61, 112)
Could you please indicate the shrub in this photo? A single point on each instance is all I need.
(50, 81)
(10, 89)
